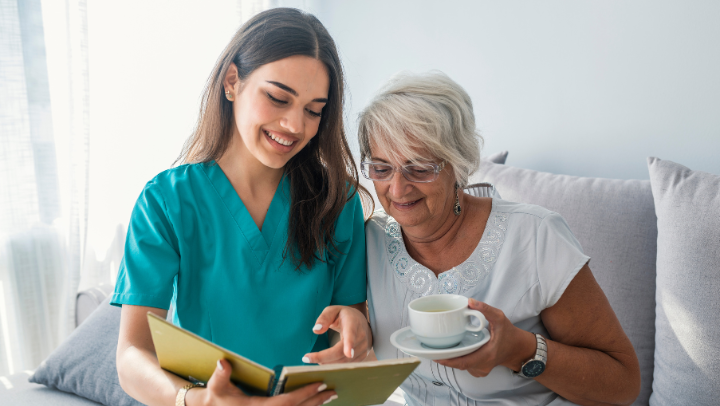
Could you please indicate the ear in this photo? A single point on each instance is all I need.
(231, 83)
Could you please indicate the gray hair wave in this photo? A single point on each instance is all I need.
(423, 111)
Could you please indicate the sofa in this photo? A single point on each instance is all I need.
(654, 247)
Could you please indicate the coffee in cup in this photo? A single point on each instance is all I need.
(440, 321)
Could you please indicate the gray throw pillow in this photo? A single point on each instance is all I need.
(687, 342)
(497, 158)
(85, 363)
(614, 220)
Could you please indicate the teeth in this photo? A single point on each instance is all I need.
(279, 140)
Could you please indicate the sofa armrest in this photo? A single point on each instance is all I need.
(16, 390)
(88, 300)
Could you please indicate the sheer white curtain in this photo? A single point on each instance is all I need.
(43, 179)
(64, 210)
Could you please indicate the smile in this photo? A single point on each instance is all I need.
(277, 139)
(405, 205)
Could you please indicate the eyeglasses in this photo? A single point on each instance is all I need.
(420, 173)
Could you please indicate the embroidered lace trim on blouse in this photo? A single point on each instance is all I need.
(457, 280)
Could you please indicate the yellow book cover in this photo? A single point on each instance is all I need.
(194, 358)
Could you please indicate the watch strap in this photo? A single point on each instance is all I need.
(180, 398)
(540, 354)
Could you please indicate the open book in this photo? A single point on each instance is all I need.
(194, 358)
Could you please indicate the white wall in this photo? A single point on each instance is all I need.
(149, 61)
(587, 88)
(584, 88)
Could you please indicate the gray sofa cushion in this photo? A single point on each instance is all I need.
(85, 363)
(614, 220)
(16, 390)
(687, 343)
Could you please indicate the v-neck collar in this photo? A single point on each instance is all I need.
(259, 241)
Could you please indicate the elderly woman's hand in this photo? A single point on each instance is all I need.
(355, 335)
(509, 346)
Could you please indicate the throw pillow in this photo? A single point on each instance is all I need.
(85, 363)
(498, 157)
(614, 220)
(687, 342)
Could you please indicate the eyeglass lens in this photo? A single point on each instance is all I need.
(413, 173)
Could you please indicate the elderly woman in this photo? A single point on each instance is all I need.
(555, 340)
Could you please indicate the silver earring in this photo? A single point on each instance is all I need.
(457, 209)
(228, 95)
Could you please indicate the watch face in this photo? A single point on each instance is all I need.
(533, 368)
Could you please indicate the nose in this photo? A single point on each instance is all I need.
(293, 121)
(399, 186)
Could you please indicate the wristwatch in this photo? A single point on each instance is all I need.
(180, 398)
(536, 365)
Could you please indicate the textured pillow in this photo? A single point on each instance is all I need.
(687, 342)
(85, 363)
(498, 157)
(615, 222)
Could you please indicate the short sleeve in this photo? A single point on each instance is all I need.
(559, 257)
(151, 259)
(350, 264)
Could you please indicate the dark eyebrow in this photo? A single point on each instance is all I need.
(293, 92)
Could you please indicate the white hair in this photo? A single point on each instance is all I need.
(427, 111)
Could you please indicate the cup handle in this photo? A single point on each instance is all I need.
(477, 315)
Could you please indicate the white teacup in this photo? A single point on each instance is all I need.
(440, 321)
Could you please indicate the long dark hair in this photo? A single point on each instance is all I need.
(323, 175)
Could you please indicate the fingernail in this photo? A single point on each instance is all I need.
(322, 387)
(333, 397)
(306, 359)
(220, 367)
(352, 353)
(317, 327)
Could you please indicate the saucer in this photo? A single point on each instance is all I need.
(405, 341)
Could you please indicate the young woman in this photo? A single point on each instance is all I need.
(258, 238)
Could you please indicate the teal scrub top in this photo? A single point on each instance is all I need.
(192, 242)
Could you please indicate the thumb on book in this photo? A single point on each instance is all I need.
(220, 391)
(221, 375)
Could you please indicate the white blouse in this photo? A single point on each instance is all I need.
(526, 258)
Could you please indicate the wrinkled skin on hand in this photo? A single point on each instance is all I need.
(502, 349)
